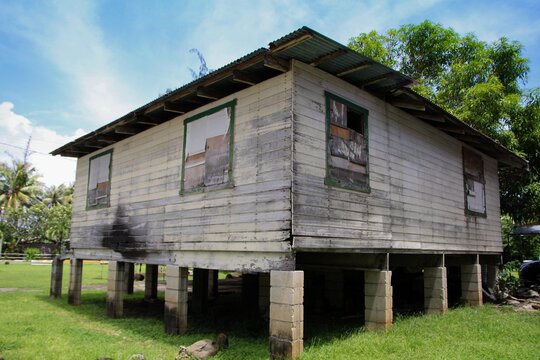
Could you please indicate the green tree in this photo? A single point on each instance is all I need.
(481, 83)
(58, 225)
(22, 225)
(19, 185)
(35, 224)
(58, 195)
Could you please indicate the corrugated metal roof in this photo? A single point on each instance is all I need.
(314, 45)
(305, 45)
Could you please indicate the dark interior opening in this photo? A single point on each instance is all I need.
(453, 274)
(408, 290)
(355, 121)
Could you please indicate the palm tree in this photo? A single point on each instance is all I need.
(19, 185)
(58, 195)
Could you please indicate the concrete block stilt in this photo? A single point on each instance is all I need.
(116, 287)
(151, 282)
(286, 314)
(75, 282)
(471, 284)
(199, 300)
(435, 290)
(57, 273)
(213, 284)
(176, 300)
(129, 277)
(378, 299)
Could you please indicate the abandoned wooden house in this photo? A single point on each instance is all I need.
(311, 167)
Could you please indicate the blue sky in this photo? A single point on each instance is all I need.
(68, 67)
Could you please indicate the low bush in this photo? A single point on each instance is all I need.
(31, 254)
(508, 279)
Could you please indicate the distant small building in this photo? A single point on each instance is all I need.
(308, 165)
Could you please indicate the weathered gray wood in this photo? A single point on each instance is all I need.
(148, 220)
(416, 201)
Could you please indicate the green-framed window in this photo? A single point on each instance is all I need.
(347, 157)
(99, 180)
(474, 182)
(208, 149)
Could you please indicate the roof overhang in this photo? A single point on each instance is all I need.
(310, 47)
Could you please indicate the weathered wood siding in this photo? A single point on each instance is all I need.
(416, 177)
(246, 226)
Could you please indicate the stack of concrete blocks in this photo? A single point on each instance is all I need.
(116, 286)
(378, 299)
(176, 300)
(151, 282)
(75, 282)
(56, 277)
(471, 284)
(435, 290)
(286, 314)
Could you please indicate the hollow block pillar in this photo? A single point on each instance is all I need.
(129, 277)
(199, 300)
(151, 282)
(286, 314)
(57, 273)
(435, 290)
(176, 300)
(116, 286)
(213, 284)
(471, 284)
(75, 282)
(378, 299)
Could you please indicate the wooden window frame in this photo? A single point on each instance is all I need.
(329, 180)
(108, 204)
(480, 179)
(229, 184)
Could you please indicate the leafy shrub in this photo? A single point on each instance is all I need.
(31, 254)
(508, 278)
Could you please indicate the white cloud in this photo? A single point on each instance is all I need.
(15, 130)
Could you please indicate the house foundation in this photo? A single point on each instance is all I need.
(471, 284)
(75, 282)
(213, 284)
(151, 282)
(286, 314)
(378, 299)
(199, 299)
(115, 289)
(129, 277)
(176, 300)
(57, 273)
(435, 290)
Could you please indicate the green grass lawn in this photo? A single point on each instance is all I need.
(32, 326)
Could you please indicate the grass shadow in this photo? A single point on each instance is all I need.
(142, 319)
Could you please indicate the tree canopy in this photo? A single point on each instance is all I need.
(481, 83)
(19, 185)
(30, 212)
